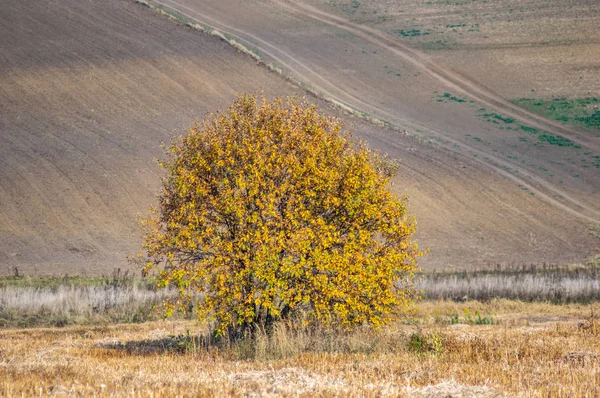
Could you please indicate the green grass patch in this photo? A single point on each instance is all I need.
(496, 118)
(557, 140)
(579, 112)
(447, 97)
(472, 318)
(411, 32)
(530, 130)
(591, 121)
(547, 138)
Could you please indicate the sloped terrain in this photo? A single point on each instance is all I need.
(88, 90)
(539, 177)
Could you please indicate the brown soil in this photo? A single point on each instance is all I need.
(511, 197)
(88, 90)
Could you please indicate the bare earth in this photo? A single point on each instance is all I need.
(88, 90)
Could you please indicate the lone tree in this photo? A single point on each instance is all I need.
(269, 208)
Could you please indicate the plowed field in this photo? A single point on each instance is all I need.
(88, 90)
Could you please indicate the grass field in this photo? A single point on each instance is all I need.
(541, 283)
(106, 336)
(30, 301)
(442, 350)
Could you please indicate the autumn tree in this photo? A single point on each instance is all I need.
(270, 208)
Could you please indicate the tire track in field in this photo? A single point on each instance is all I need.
(444, 74)
(239, 36)
(543, 189)
(457, 81)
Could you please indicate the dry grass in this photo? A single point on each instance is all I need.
(55, 301)
(59, 301)
(532, 350)
(69, 305)
(575, 283)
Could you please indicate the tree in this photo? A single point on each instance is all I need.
(270, 208)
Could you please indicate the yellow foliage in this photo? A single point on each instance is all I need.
(269, 208)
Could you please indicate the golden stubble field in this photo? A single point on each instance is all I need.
(528, 350)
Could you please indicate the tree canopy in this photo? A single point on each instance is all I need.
(271, 208)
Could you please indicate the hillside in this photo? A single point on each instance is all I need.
(89, 90)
